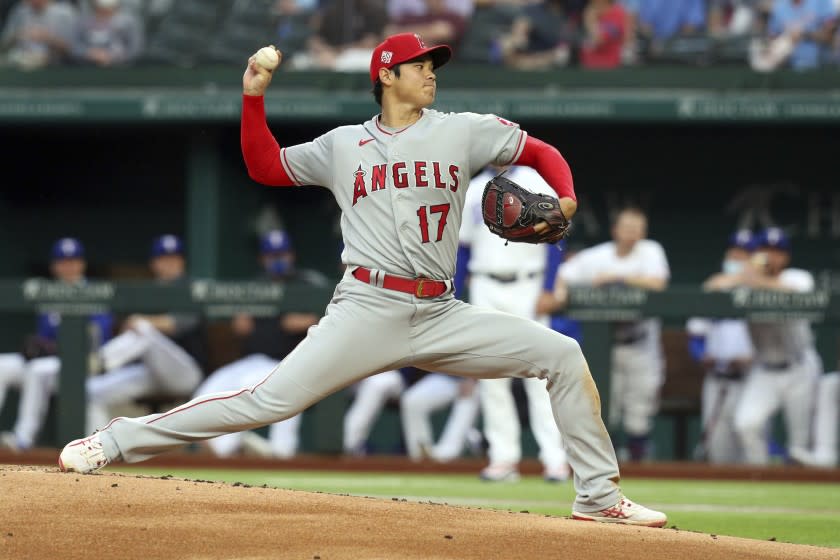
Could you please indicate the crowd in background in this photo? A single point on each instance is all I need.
(341, 34)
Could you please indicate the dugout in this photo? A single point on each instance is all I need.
(117, 156)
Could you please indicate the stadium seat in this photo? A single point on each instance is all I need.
(181, 35)
(733, 51)
(251, 24)
(486, 26)
(696, 51)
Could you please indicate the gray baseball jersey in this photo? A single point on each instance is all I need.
(401, 193)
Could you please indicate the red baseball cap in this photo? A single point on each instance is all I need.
(403, 47)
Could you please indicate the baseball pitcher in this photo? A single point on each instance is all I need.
(400, 180)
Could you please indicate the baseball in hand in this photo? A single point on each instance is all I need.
(267, 58)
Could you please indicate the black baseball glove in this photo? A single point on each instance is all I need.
(517, 214)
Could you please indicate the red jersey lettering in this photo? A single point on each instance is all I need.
(399, 176)
(453, 172)
(439, 184)
(420, 174)
(378, 177)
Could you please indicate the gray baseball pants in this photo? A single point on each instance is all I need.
(368, 330)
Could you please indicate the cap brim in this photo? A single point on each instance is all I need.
(440, 55)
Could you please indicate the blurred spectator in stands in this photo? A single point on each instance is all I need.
(734, 18)
(294, 22)
(605, 26)
(345, 34)
(37, 33)
(398, 9)
(438, 25)
(542, 36)
(799, 31)
(107, 35)
(654, 22)
(291, 7)
(664, 19)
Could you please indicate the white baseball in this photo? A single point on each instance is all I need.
(267, 58)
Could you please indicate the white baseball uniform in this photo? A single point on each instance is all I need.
(509, 277)
(783, 377)
(431, 393)
(827, 421)
(12, 367)
(283, 439)
(164, 368)
(637, 359)
(401, 193)
(37, 380)
(372, 393)
(727, 340)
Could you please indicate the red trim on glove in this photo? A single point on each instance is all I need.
(550, 164)
(259, 148)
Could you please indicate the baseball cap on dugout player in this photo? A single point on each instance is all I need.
(167, 245)
(773, 238)
(275, 241)
(742, 239)
(403, 47)
(67, 248)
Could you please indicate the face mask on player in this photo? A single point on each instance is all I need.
(732, 267)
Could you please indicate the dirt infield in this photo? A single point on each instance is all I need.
(48, 514)
(398, 463)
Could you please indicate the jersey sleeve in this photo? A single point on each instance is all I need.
(656, 263)
(310, 163)
(574, 270)
(493, 140)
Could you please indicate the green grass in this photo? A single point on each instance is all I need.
(803, 513)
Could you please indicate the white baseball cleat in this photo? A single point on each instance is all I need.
(627, 513)
(83, 455)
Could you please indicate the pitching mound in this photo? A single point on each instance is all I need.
(49, 514)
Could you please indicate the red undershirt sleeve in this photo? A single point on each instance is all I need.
(259, 148)
(550, 164)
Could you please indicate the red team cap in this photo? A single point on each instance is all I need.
(403, 47)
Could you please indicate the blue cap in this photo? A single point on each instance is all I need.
(67, 248)
(167, 245)
(774, 238)
(742, 239)
(275, 241)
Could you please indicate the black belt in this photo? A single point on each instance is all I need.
(778, 366)
(729, 373)
(508, 278)
(630, 339)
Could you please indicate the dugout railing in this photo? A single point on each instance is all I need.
(597, 308)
